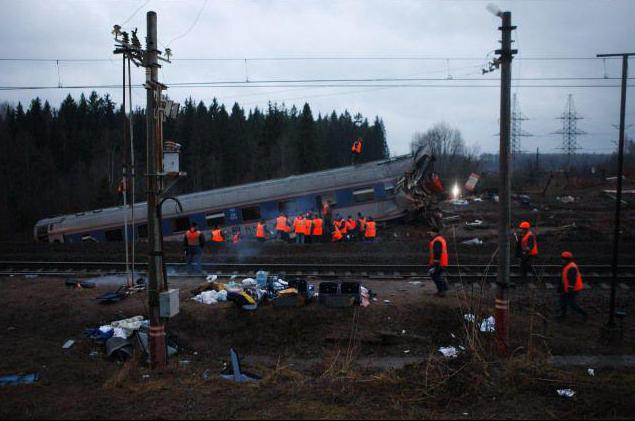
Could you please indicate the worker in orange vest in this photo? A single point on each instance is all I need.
(570, 286)
(318, 229)
(218, 236)
(370, 229)
(356, 150)
(194, 241)
(361, 225)
(351, 228)
(341, 226)
(282, 227)
(336, 235)
(438, 260)
(261, 230)
(527, 249)
(298, 228)
(308, 227)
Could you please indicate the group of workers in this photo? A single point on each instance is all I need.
(570, 284)
(316, 228)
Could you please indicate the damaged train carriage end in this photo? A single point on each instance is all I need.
(386, 190)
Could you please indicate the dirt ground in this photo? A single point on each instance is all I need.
(376, 362)
(355, 363)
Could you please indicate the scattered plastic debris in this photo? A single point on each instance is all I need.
(387, 302)
(469, 317)
(234, 371)
(473, 242)
(459, 202)
(566, 393)
(475, 223)
(211, 278)
(68, 344)
(488, 325)
(407, 351)
(591, 372)
(565, 199)
(211, 297)
(415, 282)
(449, 352)
(19, 379)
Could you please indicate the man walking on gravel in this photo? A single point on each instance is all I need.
(570, 286)
(438, 260)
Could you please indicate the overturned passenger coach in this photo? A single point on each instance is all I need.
(385, 190)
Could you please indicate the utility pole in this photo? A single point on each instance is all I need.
(155, 187)
(610, 328)
(506, 54)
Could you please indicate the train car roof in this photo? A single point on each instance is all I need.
(268, 190)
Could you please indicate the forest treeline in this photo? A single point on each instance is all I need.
(69, 159)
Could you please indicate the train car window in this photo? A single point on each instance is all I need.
(286, 206)
(214, 219)
(114, 235)
(181, 224)
(329, 198)
(390, 190)
(142, 231)
(364, 195)
(251, 214)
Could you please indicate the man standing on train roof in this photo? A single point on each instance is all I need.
(356, 151)
(194, 241)
(282, 227)
(526, 249)
(570, 286)
(298, 228)
(438, 260)
(218, 236)
(261, 230)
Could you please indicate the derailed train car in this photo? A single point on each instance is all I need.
(385, 190)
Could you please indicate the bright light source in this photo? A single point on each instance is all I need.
(456, 191)
(494, 10)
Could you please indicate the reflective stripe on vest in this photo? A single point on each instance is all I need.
(371, 230)
(193, 238)
(525, 244)
(579, 285)
(443, 261)
(318, 226)
(260, 230)
(217, 236)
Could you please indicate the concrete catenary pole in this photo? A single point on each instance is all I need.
(618, 196)
(502, 299)
(157, 340)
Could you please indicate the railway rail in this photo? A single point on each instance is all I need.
(470, 273)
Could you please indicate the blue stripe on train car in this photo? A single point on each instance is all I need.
(200, 220)
(380, 191)
(98, 235)
(305, 203)
(166, 226)
(269, 210)
(344, 198)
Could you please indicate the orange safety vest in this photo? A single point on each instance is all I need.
(193, 238)
(362, 224)
(351, 225)
(260, 230)
(444, 251)
(357, 146)
(298, 225)
(337, 235)
(579, 286)
(525, 244)
(318, 227)
(371, 230)
(307, 226)
(281, 224)
(217, 236)
(342, 226)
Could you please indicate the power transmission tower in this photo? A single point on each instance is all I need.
(517, 130)
(570, 131)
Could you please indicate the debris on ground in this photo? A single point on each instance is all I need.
(565, 199)
(449, 352)
(19, 379)
(68, 344)
(469, 317)
(233, 371)
(211, 297)
(591, 372)
(566, 393)
(459, 202)
(473, 242)
(488, 325)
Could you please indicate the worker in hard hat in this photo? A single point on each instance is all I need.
(527, 249)
(570, 286)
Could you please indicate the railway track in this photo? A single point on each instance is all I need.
(470, 273)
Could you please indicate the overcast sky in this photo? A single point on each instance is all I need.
(458, 34)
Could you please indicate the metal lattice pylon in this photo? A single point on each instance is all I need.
(517, 131)
(570, 130)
